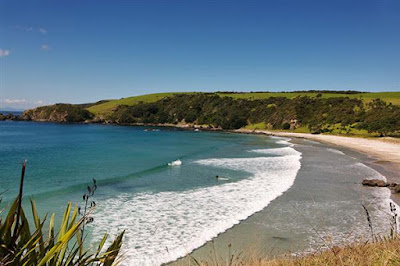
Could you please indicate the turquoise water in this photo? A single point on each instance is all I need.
(169, 211)
(63, 158)
(178, 207)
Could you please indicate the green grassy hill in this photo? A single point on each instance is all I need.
(107, 107)
(393, 97)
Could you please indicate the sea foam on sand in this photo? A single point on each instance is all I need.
(161, 227)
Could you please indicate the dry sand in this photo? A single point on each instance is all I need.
(386, 149)
(384, 153)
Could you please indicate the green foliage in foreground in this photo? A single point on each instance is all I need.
(19, 245)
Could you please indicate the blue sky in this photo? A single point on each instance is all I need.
(84, 51)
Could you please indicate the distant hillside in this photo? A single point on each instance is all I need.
(107, 108)
(339, 112)
(313, 114)
(63, 113)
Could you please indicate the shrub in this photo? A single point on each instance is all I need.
(21, 246)
(286, 126)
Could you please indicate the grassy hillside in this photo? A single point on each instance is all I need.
(391, 97)
(107, 107)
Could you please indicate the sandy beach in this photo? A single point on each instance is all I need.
(386, 149)
(384, 153)
(327, 185)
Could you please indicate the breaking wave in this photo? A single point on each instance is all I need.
(335, 151)
(164, 226)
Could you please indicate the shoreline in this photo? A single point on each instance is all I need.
(382, 155)
(378, 153)
(232, 233)
(385, 151)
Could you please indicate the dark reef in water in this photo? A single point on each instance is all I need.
(12, 117)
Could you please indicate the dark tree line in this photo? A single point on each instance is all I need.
(278, 112)
(60, 112)
(227, 113)
(317, 113)
(381, 117)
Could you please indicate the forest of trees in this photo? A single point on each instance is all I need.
(318, 114)
(68, 113)
(227, 113)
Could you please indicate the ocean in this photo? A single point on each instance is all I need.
(292, 195)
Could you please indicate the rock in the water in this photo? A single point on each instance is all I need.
(396, 188)
(374, 183)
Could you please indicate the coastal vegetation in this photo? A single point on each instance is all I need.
(331, 112)
(385, 251)
(108, 107)
(390, 97)
(67, 113)
(21, 245)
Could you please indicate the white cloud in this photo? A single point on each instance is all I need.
(23, 28)
(15, 101)
(45, 47)
(21, 103)
(4, 52)
(29, 29)
(42, 30)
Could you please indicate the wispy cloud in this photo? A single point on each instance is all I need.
(42, 30)
(4, 53)
(23, 28)
(29, 29)
(21, 103)
(17, 101)
(45, 47)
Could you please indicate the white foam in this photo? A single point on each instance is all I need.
(377, 200)
(283, 140)
(311, 141)
(278, 151)
(368, 172)
(175, 163)
(161, 227)
(335, 151)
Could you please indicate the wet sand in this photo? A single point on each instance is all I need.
(384, 153)
(261, 235)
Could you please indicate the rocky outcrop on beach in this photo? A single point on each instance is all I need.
(374, 183)
(63, 113)
(380, 183)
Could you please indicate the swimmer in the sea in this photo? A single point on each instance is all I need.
(217, 177)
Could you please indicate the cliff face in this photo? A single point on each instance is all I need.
(63, 113)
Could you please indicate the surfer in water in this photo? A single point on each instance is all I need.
(217, 177)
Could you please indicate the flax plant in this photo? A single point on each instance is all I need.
(21, 244)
